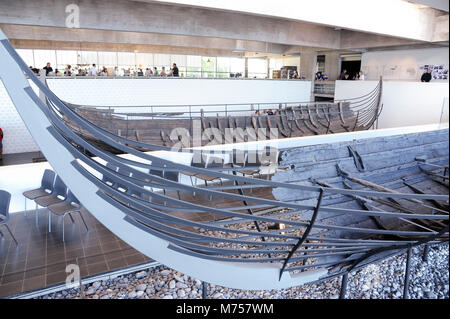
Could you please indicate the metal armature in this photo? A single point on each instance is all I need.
(302, 248)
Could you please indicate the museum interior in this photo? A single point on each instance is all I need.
(195, 149)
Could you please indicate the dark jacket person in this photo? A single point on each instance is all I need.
(426, 77)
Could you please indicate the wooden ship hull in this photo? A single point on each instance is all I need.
(204, 128)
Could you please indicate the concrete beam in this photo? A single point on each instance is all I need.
(86, 36)
(386, 17)
(120, 47)
(132, 16)
(351, 40)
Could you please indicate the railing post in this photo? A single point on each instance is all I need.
(343, 286)
(204, 290)
(408, 268)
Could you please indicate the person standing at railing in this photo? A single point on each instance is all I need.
(174, 70)
(68, 70)
(426, 77)
(47, 69)
(361, 75)
(148, 72)
(155, 71)
(115, 71)
(163, 72)
(93, 70)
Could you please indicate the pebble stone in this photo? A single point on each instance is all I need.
(381, 280)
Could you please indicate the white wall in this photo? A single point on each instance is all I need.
(17, 139)
(404, 103)
(116, 92)
(401, 64)
(141, 92)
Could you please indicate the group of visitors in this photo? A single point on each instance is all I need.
(321, 77)
(155, 72)
(266, 112)
(94, 71)
(357, 76)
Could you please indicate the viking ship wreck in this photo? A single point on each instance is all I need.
(265, 219)
(194, 125)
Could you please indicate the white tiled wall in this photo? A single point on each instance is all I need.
(141, 92)
(16, 138)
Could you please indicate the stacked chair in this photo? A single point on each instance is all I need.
(55, 196)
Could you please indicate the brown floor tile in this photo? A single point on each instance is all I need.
(92, 250)
(56, 267)
(134, 259)
(56, 277)
(14, 267)
(95, 259)
(39, 271)
(97, 268)
(35, 262)
(70, 254)
(130, 251)
(111, 246)
(113, 255)
(58, 257)
(11, 288)
(6, 279)
(116, 263)
(34, 283)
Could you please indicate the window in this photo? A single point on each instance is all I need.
(193, 66)
(65, 57)
(87, 58)
(257, 68)
(108, 59)
(209, 67)
(41, 57)
(223, 67)
(27, 56)
(320, 66)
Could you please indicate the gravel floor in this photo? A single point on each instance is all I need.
(382, 280)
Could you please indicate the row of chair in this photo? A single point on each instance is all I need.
(56, 197)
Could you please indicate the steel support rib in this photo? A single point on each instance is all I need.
(305, 235)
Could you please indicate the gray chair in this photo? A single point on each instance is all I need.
(59, 190)
(67, 207)
(171, 176)
(5, 199)
(46, 188)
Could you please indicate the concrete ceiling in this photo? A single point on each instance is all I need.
(435, 4)
(151, 24)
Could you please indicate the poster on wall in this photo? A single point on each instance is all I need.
(438, 72)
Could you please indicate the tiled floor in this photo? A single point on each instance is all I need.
(21, 158)
(41, 257)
